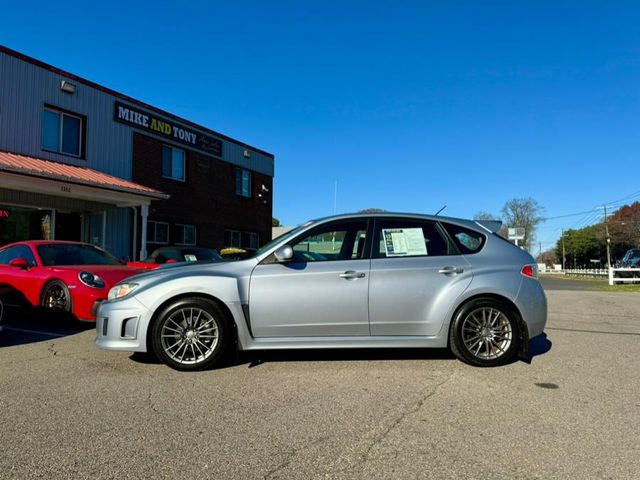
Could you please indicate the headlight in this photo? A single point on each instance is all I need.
(121, 290)
(91, 280)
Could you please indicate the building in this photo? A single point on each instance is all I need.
(79, 161)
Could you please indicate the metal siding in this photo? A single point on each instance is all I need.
(39, 200)
(118, 240)
(25, 88)
(108, 143)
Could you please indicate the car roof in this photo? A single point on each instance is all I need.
(477, 224)
(35, 243)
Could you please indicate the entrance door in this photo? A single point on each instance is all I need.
(68, 226)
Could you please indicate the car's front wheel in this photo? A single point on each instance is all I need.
(55, 296)
(190, 334)
(485, 333)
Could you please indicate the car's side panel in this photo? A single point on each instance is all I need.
(309, 299)
(409, 296)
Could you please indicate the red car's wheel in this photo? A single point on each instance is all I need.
(55, 296)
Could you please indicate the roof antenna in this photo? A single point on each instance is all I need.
(438, 212)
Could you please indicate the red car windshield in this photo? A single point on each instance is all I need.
(54, 254)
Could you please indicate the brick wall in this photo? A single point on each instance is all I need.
(207, 198)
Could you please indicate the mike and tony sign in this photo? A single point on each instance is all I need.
(160, 126)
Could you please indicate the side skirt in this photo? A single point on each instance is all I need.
(278, 343)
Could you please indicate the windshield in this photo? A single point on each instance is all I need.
(53, 254)
(289, 234)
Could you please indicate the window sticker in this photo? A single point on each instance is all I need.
(190, 257)
(402, 242)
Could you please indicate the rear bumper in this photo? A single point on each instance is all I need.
(532, 303)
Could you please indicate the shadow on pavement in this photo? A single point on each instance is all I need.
(25, 325)
(255, 358)
(538, 346)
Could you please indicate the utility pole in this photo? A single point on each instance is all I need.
(563, 252)
(606, 229)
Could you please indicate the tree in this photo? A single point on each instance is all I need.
(624, 228)
(482, 215)
(584, 245)
(275, 222)
(548, 258)
(523, 213)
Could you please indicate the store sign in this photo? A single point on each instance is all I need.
(5, 213)
(147, 121)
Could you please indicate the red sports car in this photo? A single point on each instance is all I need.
(69, 276)
(164, 255)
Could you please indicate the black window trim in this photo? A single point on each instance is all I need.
(453, 242)
(83, 131)
(375, 240)
(184, 164)
(366, 254)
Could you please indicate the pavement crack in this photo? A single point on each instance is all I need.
(291, 456)
(151, 403)
(51, 349)
(397, 421)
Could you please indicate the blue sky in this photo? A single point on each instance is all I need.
(409, 106)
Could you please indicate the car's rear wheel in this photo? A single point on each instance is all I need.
(190, 334)
(485, 333)
(55, 296)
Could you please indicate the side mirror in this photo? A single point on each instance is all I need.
(19, 263)
(283, 254)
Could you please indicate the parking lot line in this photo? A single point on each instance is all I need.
(37, 332)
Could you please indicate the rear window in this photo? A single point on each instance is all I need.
(468, 241)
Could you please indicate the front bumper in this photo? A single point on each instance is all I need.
(122, 325)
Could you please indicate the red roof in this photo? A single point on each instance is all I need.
(37, 167)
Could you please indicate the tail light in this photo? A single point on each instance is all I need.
(530, 271)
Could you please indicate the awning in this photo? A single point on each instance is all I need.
(22, 172)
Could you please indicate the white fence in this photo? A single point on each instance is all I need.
(615, 275)
(630, 275)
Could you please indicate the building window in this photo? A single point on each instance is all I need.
(251, 240)
(232, 238)
(62, 132)
(173, 163)
(185, 234)
(157, 232)
(243, 182)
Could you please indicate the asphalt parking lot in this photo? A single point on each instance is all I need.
(69, 410)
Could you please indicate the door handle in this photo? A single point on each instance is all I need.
(351, 274)
(451, 270)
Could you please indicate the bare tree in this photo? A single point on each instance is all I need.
(524, 213)
(548, 257)
(483, 215)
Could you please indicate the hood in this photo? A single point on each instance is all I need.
(186, 269)
(111, 274)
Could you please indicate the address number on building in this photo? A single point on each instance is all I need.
(65, 189)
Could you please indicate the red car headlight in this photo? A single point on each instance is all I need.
(91, 280)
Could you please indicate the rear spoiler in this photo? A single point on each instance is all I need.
(493, 226)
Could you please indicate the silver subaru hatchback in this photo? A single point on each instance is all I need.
(349, 281)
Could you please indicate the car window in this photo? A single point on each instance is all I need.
(409, 238)
(19, 251)
(74, 254)
(335, 241)
(468, 241)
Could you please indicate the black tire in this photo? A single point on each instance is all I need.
(485, 333)
(190, 334)
(55, 297)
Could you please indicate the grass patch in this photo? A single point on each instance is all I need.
(616, 288)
